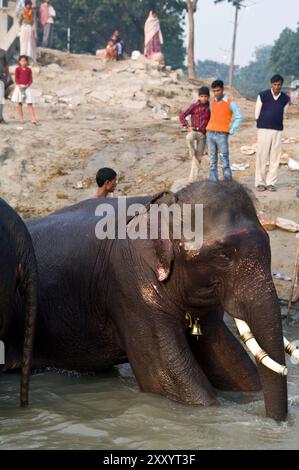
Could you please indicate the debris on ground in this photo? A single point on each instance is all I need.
(281, 277)
(290, 140)
(240, 166)
(287, 224)
(266, 221)
(249, 149)
(284, 159)
(293, 164)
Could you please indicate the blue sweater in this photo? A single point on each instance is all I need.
(271, 116)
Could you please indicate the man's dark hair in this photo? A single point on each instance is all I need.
(204, 90)
(23, 56)
(217, 84)
(277, 78)
(103, 175)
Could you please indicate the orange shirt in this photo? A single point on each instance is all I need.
(221, 116)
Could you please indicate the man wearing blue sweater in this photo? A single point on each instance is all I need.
(270, 109)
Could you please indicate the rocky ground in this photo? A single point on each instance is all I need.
(124, 115)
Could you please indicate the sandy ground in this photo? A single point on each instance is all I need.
(94, 114)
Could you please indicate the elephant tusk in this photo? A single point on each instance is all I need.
(256, 350)
(291, 349)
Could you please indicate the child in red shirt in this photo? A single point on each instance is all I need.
(22, 93)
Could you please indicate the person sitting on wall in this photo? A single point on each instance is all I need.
(119, 44)
(111, 52)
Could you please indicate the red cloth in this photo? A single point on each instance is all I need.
(23, 76)
(200, 116)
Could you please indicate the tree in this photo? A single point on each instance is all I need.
(213, 70)
(191, 9)
(238, 5)
(285, 54)
(250, 80)
(93, 22)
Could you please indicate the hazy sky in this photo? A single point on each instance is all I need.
(259, 24)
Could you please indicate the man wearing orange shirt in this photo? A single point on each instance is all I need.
(220, 128)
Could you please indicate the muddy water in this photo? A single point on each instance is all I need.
(109, 412)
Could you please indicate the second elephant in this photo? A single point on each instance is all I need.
(18, 295)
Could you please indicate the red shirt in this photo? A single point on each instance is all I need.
(200, 116)
(23, 76)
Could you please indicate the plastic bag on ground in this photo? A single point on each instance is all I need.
(293, 164)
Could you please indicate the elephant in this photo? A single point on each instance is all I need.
(105, 301)
(18, 295)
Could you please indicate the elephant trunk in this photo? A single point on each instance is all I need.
(264, 321)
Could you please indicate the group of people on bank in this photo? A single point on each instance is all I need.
(153, 40)
(26, 12)
(28, 16)
(211, 123)
(210, 120)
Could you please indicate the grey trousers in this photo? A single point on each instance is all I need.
(196, 142)
(48, 35)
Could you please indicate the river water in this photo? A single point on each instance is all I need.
(71, 411)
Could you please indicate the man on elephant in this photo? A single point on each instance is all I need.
(106, 179)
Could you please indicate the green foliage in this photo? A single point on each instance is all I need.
(250, 80)
(93, 22)
(213, 70)
(285, 54)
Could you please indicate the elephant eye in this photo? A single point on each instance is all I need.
(226, 255)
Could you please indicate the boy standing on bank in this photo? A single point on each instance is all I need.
(196, 137)
(270, 110)
(219, 129)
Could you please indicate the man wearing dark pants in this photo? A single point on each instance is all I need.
(219, 129)
(270, 109)
(4, 72)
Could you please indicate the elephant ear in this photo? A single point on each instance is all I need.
(158, 253)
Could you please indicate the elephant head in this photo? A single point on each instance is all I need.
(231, 269)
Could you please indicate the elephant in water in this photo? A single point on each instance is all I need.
(18, 296)
(107, 301)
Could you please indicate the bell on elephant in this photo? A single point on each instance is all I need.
(196, 330)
